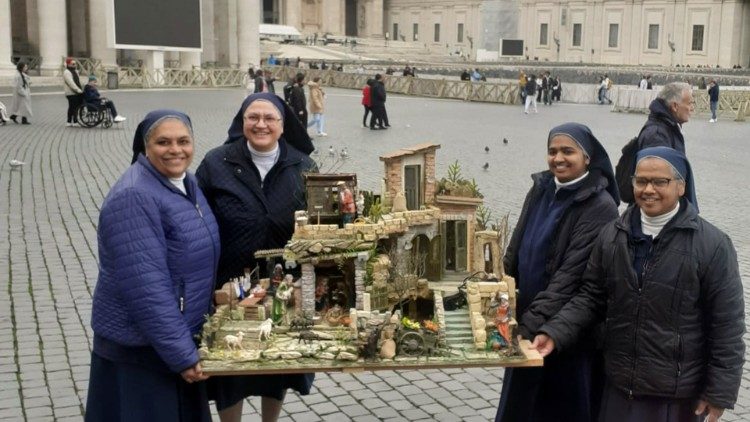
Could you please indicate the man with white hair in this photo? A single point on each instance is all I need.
(669, 111)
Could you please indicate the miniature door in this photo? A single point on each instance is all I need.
(455, 244)
(412, 191)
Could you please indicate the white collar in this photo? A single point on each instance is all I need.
(652, 226)
(559, 185)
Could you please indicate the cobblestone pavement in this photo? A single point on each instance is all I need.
(49, 212)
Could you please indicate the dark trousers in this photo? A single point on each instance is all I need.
(364, 118)
(378, 116)
(74, 101)
(546, 96)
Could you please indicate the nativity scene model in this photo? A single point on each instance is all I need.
(367, 294)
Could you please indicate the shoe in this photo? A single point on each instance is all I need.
(13, 117)
(68, 124)
(119, 119)
(525, 112)
(387, 125)
(322, 134)
(365, 126)
(374, 128)
(25, 122)
(383, 128)
(712, 121)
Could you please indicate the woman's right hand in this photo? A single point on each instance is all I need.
(194, 374)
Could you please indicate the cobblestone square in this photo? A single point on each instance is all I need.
(49, 212)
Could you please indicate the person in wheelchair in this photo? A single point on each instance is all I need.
(92, 97)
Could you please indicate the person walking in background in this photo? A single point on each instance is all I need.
(377, 99)
(260, 83)
(297, 99)
(643, 84)
(317, 107)
(556, 89)
(522, 80)
(547, 88)
(3, 114)
(531, 87)
(73, 90)
(604, 86)
(248, 81)
(367, 101)
(713, 97)
(20, 104)
(268, 79)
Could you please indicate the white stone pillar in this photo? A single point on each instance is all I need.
(209, 38)
(293, 14)
(248, 39)
(308, 288)
(153, 63)
(78, 43)
(53, 44)
(101, 33)
(6, 40)
(190, 60)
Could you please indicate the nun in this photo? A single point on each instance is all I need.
(254, 184)
(567, 205)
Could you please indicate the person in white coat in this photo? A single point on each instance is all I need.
(21, 102)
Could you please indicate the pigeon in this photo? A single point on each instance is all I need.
(315, 153)
(486, 166)
(344, 153)
(505, 141)
(331, 151)
(487, 149)
(15, 163)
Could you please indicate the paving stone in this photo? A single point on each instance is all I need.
(37, 412)
(463, 411)
(413, 414)
(421, 399)
(305, 417)
(385, 412)
(354, 410)
(324, 408)
(295, 407)
(314, 398)
(373, 403)
(366, 418)
(448, 417)
(400, 404)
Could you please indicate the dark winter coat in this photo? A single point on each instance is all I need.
(378, 95)
(297, 98)
(530, 87)
(571, 243)
(158, 252)
(252, 215)
(678, 334)
(661, 129)
(713, 93)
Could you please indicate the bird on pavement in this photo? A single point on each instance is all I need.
(344, 153)
(505, 141)
(15, 163)
(331, 151)
(486, 166)
(487, 149)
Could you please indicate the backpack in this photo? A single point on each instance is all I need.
(625, 168)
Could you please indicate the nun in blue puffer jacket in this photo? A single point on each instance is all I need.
(158, 254)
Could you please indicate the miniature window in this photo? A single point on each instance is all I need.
(437, 32)
(577, 31)
(460, 33)
(697, 38)
(395, 31)
(415, 31)
(543, 34)
(653, 37)
(614, 33)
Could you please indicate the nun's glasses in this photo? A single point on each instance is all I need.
(657, 182)
(270, 119)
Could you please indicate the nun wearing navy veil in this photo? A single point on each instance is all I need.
(562, 214)
(254, 184)
(158, 254)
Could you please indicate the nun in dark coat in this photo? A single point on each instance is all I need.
(254, 183)
(547, 254)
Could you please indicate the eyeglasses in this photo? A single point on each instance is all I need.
(657, 182)
(270, 119)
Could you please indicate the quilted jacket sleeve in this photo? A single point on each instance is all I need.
(567, 280)
(132, 226)
(725, 308)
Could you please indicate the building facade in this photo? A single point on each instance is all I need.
(641, 32)
(48, 30)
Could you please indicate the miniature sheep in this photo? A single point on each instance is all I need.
(234, 342)
(264, 329)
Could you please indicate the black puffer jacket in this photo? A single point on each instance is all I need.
(572, 241)
(679, 335)
(661, 129)
(378, 95)
(252, 216)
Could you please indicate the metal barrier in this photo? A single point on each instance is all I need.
(135, 77)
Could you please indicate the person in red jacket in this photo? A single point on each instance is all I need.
(366, 101)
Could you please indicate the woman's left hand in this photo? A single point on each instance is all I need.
(194, 374)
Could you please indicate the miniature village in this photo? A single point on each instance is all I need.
(357, 286)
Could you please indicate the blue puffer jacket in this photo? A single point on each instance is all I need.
(252, 215)
(158, 254)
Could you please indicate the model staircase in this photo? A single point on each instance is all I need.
(458, 333)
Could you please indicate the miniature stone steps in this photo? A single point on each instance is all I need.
(458, 334)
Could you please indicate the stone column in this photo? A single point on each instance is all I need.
(209, 41)
(101, 34)
(78, 42)
(154, 64)
(308, 288)
(190, 60)
(248, 39)
(6, 40)
(292, 14)
(52, 35)
(359, 280)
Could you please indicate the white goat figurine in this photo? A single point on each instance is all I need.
(234, 342)
(264, 329)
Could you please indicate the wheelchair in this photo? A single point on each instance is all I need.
(93, 114)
